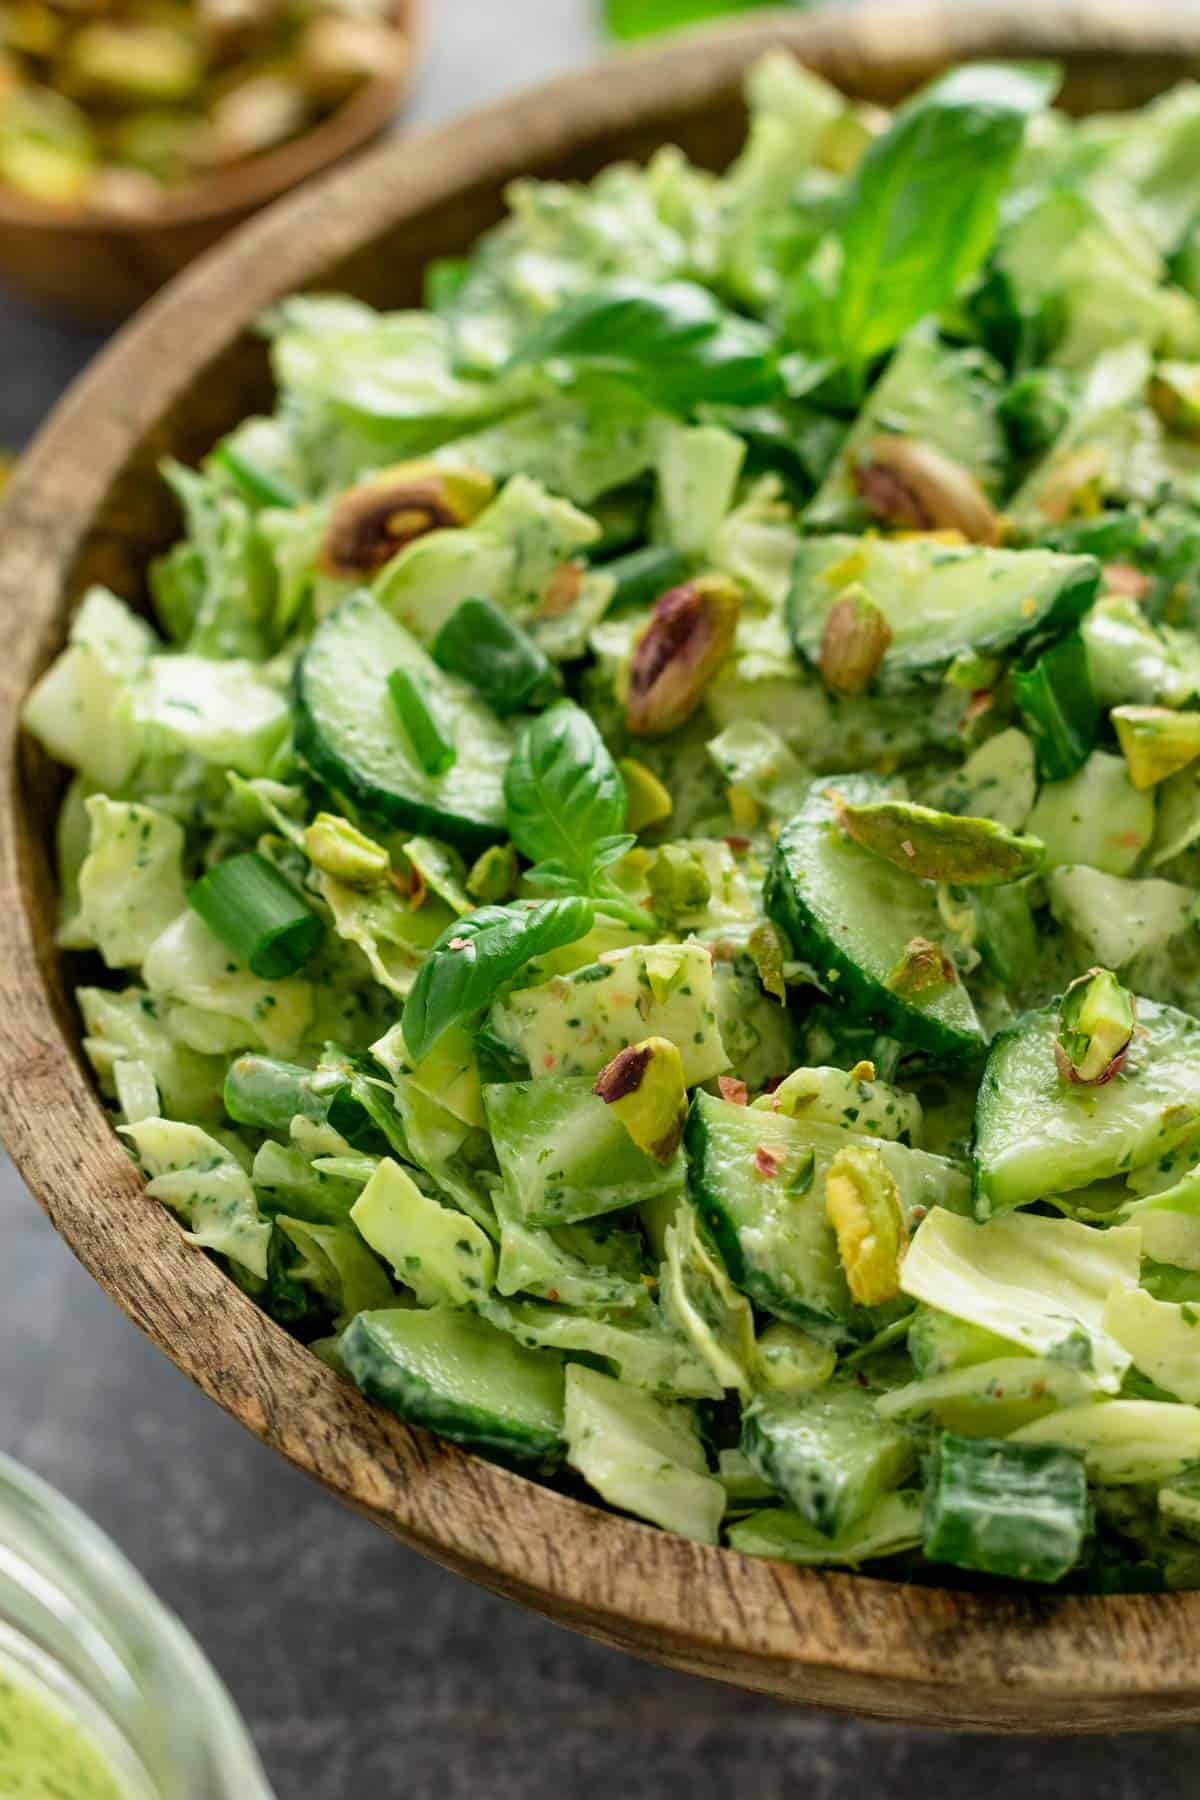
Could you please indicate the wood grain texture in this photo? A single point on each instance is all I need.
(85, 505)
(105, 265)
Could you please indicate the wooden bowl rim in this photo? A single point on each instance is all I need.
(255, 180)
(1002, 1660)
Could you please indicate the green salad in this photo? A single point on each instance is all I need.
(641, 892)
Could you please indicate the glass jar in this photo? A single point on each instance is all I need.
(83, 1637)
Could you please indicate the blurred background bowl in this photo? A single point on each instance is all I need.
(102, 264)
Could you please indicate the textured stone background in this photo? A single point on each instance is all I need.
(362, 1669)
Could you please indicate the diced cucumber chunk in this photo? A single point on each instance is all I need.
(939, 599)
(937, 1341)
(757, 1180)
(641, 1455)
(574, 1024)
(1037, 1135)
(891, 1526)
(564, 1156)
(1018, 1510)
(1096, 816)
(828, 1453)
(348, 731)
(452, 1372)
(852, 916)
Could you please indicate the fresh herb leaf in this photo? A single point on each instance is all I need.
(565, 808)
(1059, 707)
(475, 956)
(673, 339)
(920, 213)
(641, 18)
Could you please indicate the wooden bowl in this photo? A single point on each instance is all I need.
(86, 505)
(104, 264)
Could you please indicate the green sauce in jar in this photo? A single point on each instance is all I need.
(43, 1755)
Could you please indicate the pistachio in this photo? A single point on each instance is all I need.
(647, 801)
(340, 49)
(923, 970)
(47, 151)
(644, 1086)
(493, 876)
(561, 589)
(257, 114)
(938, 846)
(690, 633)
(1155, 741)
(376, 519)
(1126, 578)
(339, 849)
(678, 881)
(767, 949)
(1096, 1024)
(1075, 485)
(1175, 397)
(862, 1204)
(854, 642)
(903, 481)
(133, 61)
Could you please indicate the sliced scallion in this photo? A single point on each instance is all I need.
(258, 915)
(1059, 706)
(484, 646)
(432, 749)
(642, 575)
(257, 484)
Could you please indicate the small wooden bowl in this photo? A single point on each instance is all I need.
(86, 505)
(103, 265)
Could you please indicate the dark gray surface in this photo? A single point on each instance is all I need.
(363, 1670)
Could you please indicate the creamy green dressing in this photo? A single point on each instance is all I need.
(43, 1756)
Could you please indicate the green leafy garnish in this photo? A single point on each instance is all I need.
(475, 956)
(564, 805)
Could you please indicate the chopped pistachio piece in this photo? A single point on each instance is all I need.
(908, 483)
(647, 801)
(923, 970)
(372, 522)
(645, 1088)
(938, 846)
(689, 635)
(854, 642)
(493, 876)
(341, 850)
(678, 881)
(769, 954)
(1096, 1025)
(1155, 741)
(863, 1206)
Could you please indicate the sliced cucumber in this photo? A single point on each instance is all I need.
(1008, 1509)
(890, 1527)
(852, 915)
(348, 731)
(829, 1453)
(757, 1179)
(939, 600)
(1036, 1134)
(564, 1156)
(452, 1372)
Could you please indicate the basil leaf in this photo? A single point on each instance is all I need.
(563, 792)
(477, 955)
(920, 214)
(674, 340)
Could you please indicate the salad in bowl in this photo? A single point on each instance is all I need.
(638, 887)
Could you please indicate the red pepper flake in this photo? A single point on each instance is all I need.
(1124, 578)
(419, 889)
(739, 845)
(458, 943)
(978, 703)
(772, 1083)
(552, 1294)
(907, 847)
(733, 1090)
(549, 1060)
(918, 1212)
(768, 1162)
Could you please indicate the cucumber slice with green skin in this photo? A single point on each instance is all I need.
(1018, 1510)
(757, 1179)
(452, 1372)
(828, 1453)
(940, 600)
(851, 915)
(348, 732)
(1036, 1134)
